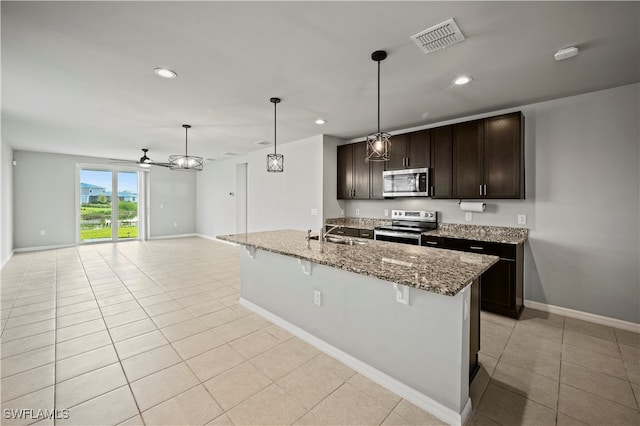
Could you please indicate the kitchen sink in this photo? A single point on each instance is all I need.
(342, 240)
(345, 241)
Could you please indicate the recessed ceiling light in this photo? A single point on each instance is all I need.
(567, 52)
(164, 72)
(321, 121)
(463, 79)
(263, 142)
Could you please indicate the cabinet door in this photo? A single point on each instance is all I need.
(360, 171)
(375, 178)
(397, 153)
(468, 159)
(441, 162)
(503, 156)
(418, 149)
(345, 171)
(498, 288)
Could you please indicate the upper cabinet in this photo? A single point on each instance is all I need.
(353, 172)
(441, 162)
(488, 158)
(473, 160)
(410, 151)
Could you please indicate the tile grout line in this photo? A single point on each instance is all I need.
(16, 294)
(111, 338)
(560, 370)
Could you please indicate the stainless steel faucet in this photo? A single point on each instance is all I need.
(325, 233)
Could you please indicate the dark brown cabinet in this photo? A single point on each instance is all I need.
(488, 158)
(502, 284)
(477, 159)
(350, 232)
(410, 151)
(441, 162)
(468, 144)
(353, 171)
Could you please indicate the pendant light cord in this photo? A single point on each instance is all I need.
(186, 150)
(275, 124)
(378, 96)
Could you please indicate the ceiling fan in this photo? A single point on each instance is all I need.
(144, 161)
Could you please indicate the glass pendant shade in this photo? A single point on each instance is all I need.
(378, 146)
(186, 162)
(379, 143)
(275, 161)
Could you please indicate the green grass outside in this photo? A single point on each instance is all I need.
(95, 234)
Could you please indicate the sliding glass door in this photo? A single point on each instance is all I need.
(108, 205)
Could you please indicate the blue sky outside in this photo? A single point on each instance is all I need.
(127, 181)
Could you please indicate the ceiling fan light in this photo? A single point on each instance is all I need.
(145, 165)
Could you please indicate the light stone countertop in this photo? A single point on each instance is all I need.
(440, 271)
(492, 234)
(358, 222)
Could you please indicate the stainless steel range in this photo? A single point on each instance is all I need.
(407, 226)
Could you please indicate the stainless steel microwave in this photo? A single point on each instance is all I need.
(406, 183)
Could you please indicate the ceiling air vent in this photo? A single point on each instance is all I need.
(439, 36)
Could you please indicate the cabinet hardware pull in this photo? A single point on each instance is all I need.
(432, 191)
(432, 242)
(485, 189)
(407, 158)
(476, 248)
(480, 189)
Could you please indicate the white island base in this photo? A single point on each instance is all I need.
(419, 350)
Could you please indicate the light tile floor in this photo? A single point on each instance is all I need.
(152, 333)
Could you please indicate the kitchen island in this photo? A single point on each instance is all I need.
(401, 315)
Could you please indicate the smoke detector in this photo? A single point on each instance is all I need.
(438, 37)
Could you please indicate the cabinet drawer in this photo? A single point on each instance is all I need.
(504, 251)
(430, 241)
(366, 233)
(346, 232)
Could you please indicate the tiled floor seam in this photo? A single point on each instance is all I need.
(390, 412)
(4, 324)
(560, 372)
(111, 339)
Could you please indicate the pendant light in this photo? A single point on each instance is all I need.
(378, 144)
(275, 161)
(186, 162)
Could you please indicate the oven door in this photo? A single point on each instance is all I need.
(397, 236)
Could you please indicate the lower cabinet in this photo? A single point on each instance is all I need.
(351, 232)
(502, 284)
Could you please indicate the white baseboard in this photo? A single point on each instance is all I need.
(41, 248)
(585, 316)
(165, 237)
(417, 398)
(217, 240)
(4, 262)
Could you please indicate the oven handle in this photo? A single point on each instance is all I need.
(410, 235)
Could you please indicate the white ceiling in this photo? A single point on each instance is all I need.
(77, 77)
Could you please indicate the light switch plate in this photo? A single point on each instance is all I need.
(357, 212)
(386, 212)
(314, 212)
(522, 219)
(468, 216)
(317, 297)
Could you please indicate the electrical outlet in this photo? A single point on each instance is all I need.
(317, 297)
(386, 212)
(342, 212)
(468, 216)
(357, 212)
(314, 212)
(42, 233)
(522, 219)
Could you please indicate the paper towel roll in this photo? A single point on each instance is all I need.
(472, 206)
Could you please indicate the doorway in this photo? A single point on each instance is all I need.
(108, 204)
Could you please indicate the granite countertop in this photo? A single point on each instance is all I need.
(358, 222)
(440, 271)
(492, 234)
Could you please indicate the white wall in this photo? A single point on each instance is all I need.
(583, 205)
(44, 188)
(6, 203)
(284, 200)
(173, 202)
(215, 206)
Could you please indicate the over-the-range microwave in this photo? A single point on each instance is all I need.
(406, 183)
